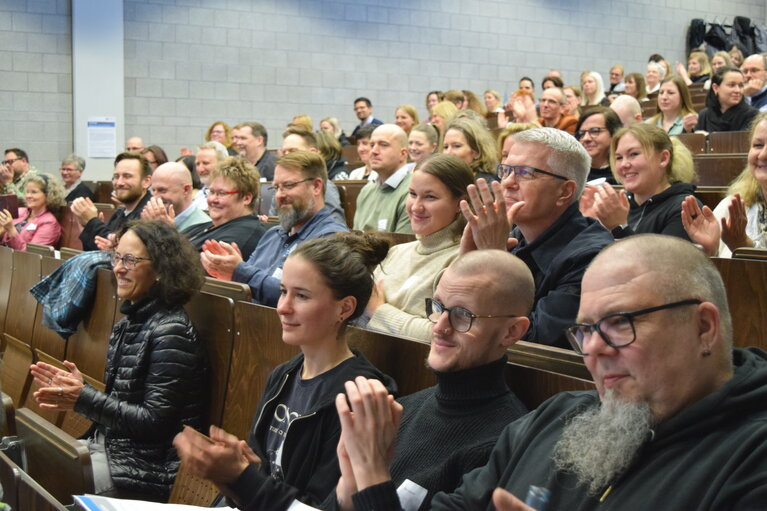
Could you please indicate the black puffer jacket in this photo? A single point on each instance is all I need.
(156, 376)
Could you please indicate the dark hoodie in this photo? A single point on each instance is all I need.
(309, 460)
(660, 214)
(712, 455)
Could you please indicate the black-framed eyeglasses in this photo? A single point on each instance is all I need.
(616, 330)
(129, 260)
(284, 187)
(523, 172)
(460, 319)
(594, 132)
(10, 161)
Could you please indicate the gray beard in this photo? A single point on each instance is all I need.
(292, 216)
(600, 443)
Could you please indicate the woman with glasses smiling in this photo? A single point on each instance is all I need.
(409, 273)
(594, 131)
(155, 372)
(232, 197)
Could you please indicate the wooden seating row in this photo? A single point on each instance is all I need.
(719, 169)
(720, 142)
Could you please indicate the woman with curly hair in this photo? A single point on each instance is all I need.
(155, 372)
(37, 223)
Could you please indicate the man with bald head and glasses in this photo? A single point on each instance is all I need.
(678, 419)
(541, 180)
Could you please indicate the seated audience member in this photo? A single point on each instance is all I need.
(363, 109)
(617, 85)
(432, 98)
(303, 121)
(134, 145)
(130, 181)
(657, 173)
(332, 125)
(190, 161)
(209, 155)
(726, 107)
(450, 429)
(250, 140)
(472, 143)
(14, 173)
(736, 56)
(573, 105)
(410, 271)
(595, 130)
(526, 83)
(551, 81)
(297, 139)
(755, 76)
(551, 102)
(541, 181)
(627, 109)
(37, 222)
(636, 87)
(441, 114)
(381, 203)
(740, 220)
(220, 132)
(506, 140)
(233, 194)
(325, 284)
(698, 68)
(655, 73)
(593, 90)
(155, 368)
(457, 97)
(493, 102)
(673, 397)
(474, 104)
(676, 113)
(172, 200)
(72, 168)
(405, 116)
(719, 59)
(422, 142)
(330, 150)
(299, 181)
(522, 106)
(363, 150)
(155, 155)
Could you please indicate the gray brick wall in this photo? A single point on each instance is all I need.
(189, 62)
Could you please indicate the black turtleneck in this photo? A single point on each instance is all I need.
(449, 429)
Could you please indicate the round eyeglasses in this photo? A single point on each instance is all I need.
(460, 319)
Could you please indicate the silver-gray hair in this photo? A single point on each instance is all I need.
(221, 152)
(660, 68)
(567, 156)
(75, 160)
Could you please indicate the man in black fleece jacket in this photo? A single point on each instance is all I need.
(679, 419)
(451, 428)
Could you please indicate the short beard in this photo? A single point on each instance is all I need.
(290, 217)
(600, 443)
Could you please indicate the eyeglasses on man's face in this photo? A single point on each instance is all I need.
(285, 187)
(523, 172)
(460, 319)
(616, 330)
(593, 132)
(10, 161)
(129, 261)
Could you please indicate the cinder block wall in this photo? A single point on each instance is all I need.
(189, 62)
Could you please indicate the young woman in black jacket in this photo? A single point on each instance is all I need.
(291, 450)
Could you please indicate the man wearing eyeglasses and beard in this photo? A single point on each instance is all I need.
(478, 311)
(679, 418)
(300, 178)
(542, 179)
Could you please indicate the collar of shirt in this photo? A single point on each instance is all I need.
(395, 179)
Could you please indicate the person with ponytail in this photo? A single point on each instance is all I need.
(291, 450)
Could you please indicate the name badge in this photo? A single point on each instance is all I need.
(410, 282)
(31, 227)
(277, 273)
(411, 495)
(383, 223)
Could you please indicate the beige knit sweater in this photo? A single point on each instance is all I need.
(410, 274)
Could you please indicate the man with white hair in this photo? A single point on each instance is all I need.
(542, 179)
(628, 109)
(678, 417)
(172, 198)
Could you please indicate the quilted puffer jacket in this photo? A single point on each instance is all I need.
(156, 381)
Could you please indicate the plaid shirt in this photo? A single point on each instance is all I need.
(67, 294)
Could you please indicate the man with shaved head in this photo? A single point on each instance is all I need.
(628, 109)
(172, 198)
(679, 417)
(134, 145)
(381, 203)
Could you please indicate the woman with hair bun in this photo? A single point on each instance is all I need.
(656, 171)
(291, 450)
